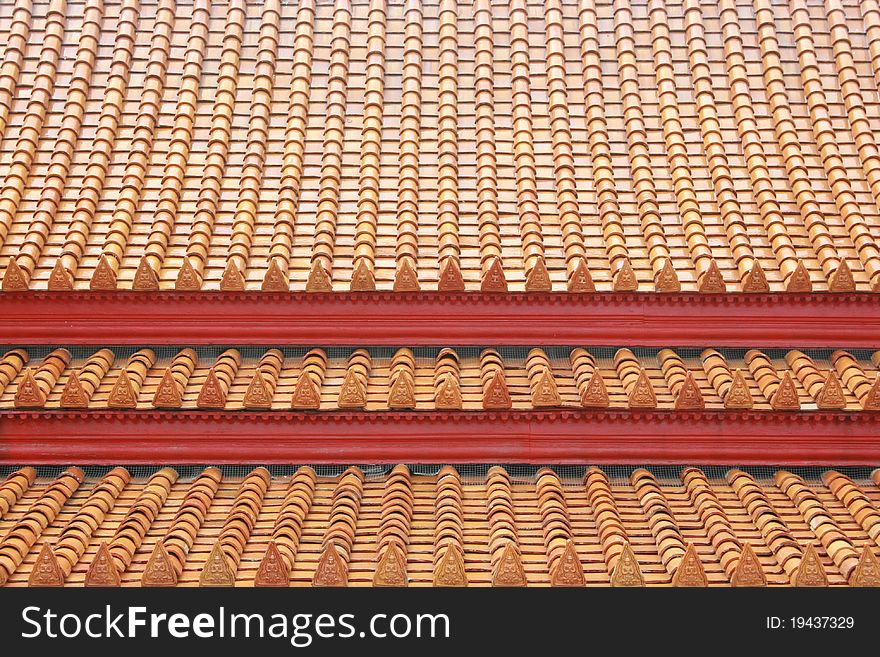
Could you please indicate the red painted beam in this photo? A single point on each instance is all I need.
(558, 436)
(430, 318)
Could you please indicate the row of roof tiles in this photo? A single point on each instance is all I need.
(495, 145)
(432, 379)
(403, 529)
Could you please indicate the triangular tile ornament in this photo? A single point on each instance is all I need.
(581, 282)
(876, 286)
(217, 570)
(450, 276)
(159, 570)
(168, 393)
(738, 395)
(689, 396)
(712, 282)
(306, 395)
(401, 394)
(842, 279)
(448, 395)
(595, 395)
(642, 394)
(352, 393)
(104, 277)
(756, 280)
(391, 569)
(187, 278)
(450, 569)
(60, 278)
(667, 281)
(690, 571)
(494, 279)
(799, 281)
(405, 278)
(867, 572)
(627, 572)
(258, 395)
(546, 393)
(233, 280)
(538, 278)
(13, 278)
(275, 279)
(831, 395)
(331, 570)
(625, 278)
(509, 570)
(811, 572)
(46, 570)
(786, 397)
(28, 394)
(319, 279)
(122, 395)
(496, 395)
(748, 571)
(871, 402)
(362, 279)
(103, 571)
(273, 570)
(145, 279)
(211, 395)
(73, 396)
(568, 571)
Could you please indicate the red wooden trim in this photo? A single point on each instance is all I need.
(558, 436)
(431, 318)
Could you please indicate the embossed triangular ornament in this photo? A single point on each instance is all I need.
(352, 394)
(187, 278)
(391, 569)
(122, 395)
(581, 282)
(538, 278)
(306, 395)
(275, 280)
(494, 279)
(448, 395)
(642, 394)
(319, 279)
(509, 570)
(233, 280)
(689, 396)
(690, 571)
(749, 571)
(405, 278)
(842, 279)
(103, 571)
(28, 394)
(211, 395)
(362, 279)
(217, 570)
(738, 395)
(496, 395)
(104, 277)
(625, 278)
(546, 393)
(786, 397)
(627, 572)
(595, 395)
(159, 570)
(871, 402)
(568, 571)
(168, 393)
(60, 278)
(13, 278)
(756, 280)
(401, 394)
(145, 279)
(712, 282)
(46, 570)
(73, 396)
(831, 394)
(867, 572)
(450, 277)
(799, 281)
(450, 569)
(273, 570)
(667, 280)
(258, 395)
(331, 570)
(811, 572)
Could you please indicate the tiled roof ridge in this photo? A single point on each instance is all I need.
(13, 57)
(332, 569)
